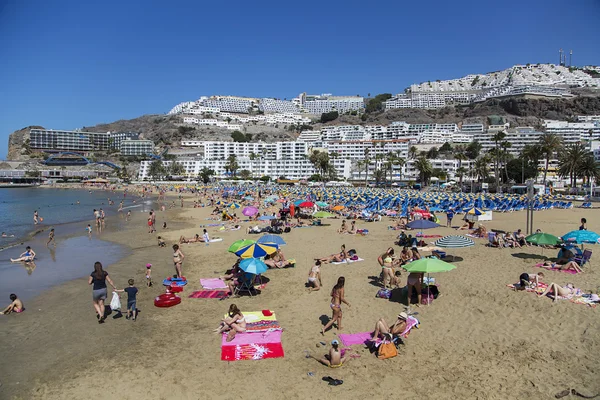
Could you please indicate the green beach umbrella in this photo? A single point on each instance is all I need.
(429, 266)
(543, 239)
(238, 244)
(323, 214)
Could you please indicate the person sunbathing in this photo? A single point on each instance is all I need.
(567, 291)
(234, 323)
(481, 231)
(343, 228)
(337, 257)
(195, 239)
(521, 238)
(510, 240)
(383, 328)
(569, 266)
(467, 225)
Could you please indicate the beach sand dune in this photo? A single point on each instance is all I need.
(479, 340)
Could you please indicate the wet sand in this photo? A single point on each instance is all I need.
(478, 340)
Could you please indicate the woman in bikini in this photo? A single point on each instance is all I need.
(387, 263)
(177, 259)
(337, 298)
(314, 277)
(195, 239)
(382, 327)
(338, 257)
(234, 323)
(27, 256)
(568, 291)
(569, 266)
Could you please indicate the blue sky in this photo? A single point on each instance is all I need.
(68, 64)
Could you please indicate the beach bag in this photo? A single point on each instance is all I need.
(384, 293)
(287, 229)
(386, 350)
(354, 258)
(115, 303)
(351, 252)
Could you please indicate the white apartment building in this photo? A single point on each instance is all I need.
(420, 128)
(309, 136)
(519, 138)
(277, 106)
(472, 128)
(137, 147)
(356, 150)
(77, 141)
(573, 132)
(400, 101)
(291, 169)
(231, 103)
(324, 103)
(270, 151)
(588, 118)
(212, 122)
(409, 172)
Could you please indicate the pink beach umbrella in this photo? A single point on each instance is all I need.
(250, 211)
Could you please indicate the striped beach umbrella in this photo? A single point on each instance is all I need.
(454, 241)
(238, 244)
(257, 250)
(474, 211)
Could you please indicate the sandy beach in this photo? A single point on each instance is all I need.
(479, 340)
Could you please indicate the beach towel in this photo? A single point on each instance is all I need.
(348, 261)
(213, 283)
(539, 290)
(567, 271)
(214, 240)
(349, 339)
(209, 294)
(255, 316)
(251, 351)
(263, 326)
(429, 236)
(242, 338)
(252, 346)
(411, 322)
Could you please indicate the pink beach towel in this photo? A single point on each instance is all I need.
(567, 271)
(209, 294)
(213, 283)
(243, 338)
(349, 339)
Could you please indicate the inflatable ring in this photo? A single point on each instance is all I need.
(175, 281)
(175, 289)
(167, 300)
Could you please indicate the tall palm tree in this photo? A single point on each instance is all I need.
(461, 172)
(399, 161)
(505, 156)
(367, 162)
(497, 138)
(589, 168)
(425, 169)
(459, 153)
(253, 157)
(412, 152)
(550, 144)
(359, 165)
(480, 169)
(571, 160)
(391, 159)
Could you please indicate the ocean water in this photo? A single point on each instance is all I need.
(55, 206)
(75, 251)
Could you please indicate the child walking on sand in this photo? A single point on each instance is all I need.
(148, 274)
(131, 300)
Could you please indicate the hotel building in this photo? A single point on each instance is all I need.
(138, 147)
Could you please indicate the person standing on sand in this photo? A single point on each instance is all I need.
(337, 298)
(98, 279)
(51, 238)
(177, 260)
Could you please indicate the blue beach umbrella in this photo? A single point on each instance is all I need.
(253, 266)
(581, 237)
(278, 240)
(422, 224)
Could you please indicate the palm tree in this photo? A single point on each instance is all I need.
(366, 164)
(589, 168)
(480, 169)
(497, 138)
(459, 153)
(399, 161)
(379, 174)
(549, 144)
(391, 159)
(425, 169)
(253, 156)
(359, 165)
(412, 152)
(461, 172)
(232, 164)
(571, 161)
(505, 156)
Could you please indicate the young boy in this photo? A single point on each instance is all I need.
(334, 359)
(51, 238)
(16, 305)
(88, 229)
(131, 300)
(148, 275)
(161, 242)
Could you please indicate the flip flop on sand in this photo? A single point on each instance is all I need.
(576, 393)
(562, 394)
(333, 381)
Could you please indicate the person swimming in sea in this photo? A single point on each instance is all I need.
(5, 235)
(26, 256)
